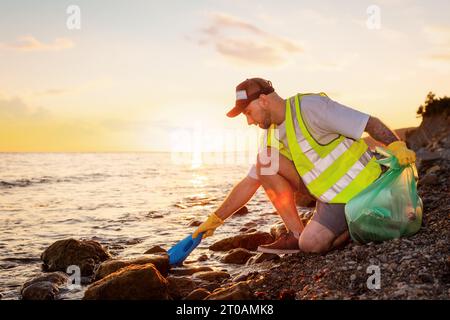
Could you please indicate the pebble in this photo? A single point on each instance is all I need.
(405, 258)
(203, 257)
(408, 241)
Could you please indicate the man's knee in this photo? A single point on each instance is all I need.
(313, 244)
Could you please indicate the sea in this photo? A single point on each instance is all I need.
(128, 202)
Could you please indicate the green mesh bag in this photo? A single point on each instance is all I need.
(389, 208)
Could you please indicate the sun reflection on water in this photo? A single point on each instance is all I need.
(198, 181)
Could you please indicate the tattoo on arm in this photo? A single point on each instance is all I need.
(380, 132)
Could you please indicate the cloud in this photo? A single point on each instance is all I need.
(316, 17)
(244, 43)
(336, 64)
(30, 43)
(15, 108)
(51, 92)
(94, 84)
(385, 33)
(440, 56)
(438, 37)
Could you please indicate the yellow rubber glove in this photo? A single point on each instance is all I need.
(208, 227)
(404, 155)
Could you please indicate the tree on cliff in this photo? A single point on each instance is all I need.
(434, 106)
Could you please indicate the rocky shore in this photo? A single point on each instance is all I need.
(410, 268)
(417, 267)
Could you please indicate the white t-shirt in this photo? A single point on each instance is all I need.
(325, 120)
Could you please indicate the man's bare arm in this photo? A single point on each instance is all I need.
(380, 132)
(241, 193)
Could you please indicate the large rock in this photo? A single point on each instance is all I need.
(58, 278)
(155, 249)
(180, 287)
(237, 256)
(212, 276)
(135, 282)
(209, 286)
(429, 179)
(242, 211)
(238, 291)
(277, 230)
(43, 290)
(432, 128)
(249, 241)
(245, 276)
(84, 254)
(261, 257)
(425, 155)
(45, 287)
(161, 263)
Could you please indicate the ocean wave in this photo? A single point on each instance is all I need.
(24, 182)
(21, 182)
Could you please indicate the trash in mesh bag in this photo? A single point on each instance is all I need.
(389, 208)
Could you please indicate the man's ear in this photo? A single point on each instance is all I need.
(263, 101)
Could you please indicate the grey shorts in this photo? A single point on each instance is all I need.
(331, 216)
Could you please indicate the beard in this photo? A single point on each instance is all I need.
(267, 121)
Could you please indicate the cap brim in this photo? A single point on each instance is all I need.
(238, 108)
(234, 112)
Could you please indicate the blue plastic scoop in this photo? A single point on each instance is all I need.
(179, 252)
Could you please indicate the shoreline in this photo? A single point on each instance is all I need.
(417, 267)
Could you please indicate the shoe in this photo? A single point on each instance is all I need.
(286, 244)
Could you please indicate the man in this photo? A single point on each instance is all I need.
(313, 145)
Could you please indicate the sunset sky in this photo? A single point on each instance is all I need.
(137, 72)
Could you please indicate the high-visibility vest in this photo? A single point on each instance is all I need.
(334, 172)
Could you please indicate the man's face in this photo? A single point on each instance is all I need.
(258, 114)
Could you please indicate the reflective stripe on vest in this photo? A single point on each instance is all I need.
(333, 173)
(273, 141)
